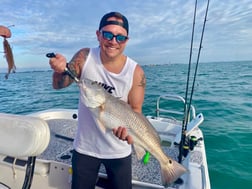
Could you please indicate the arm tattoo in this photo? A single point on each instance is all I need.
(77, 62)
(143, 81)
(75, 66)
(61, 80)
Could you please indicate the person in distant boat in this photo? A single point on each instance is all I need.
(122, 77)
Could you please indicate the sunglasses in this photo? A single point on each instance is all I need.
(109, 36)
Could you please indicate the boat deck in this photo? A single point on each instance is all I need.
(60, 149)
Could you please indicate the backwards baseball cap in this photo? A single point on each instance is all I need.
(104, 21)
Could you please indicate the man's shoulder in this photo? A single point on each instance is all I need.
(139, 70)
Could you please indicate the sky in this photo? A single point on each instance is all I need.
(160, 31)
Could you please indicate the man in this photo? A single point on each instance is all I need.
(121, 76)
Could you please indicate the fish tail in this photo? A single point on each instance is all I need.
(6, 76)
(171, 171)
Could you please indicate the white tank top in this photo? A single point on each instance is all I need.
(90, 140)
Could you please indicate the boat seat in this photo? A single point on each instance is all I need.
(23, 136)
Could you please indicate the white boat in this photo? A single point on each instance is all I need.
(36, 149)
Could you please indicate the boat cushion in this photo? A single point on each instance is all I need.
(23, 136)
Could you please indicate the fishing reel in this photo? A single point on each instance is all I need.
(189, 144)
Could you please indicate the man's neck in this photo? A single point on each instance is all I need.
(114, 65)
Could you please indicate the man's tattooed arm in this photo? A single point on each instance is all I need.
(62, 80)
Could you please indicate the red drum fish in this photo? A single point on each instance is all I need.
(110, 112)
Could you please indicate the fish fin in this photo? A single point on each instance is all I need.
(140, 152)
(102, 107)
(171, 171)
(101, 126)
(98, 122)
(6, 76)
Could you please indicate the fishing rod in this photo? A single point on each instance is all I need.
(185, 118)
(187, 105)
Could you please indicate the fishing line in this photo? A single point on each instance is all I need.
(187, 105)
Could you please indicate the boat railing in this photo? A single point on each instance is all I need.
(175, 98)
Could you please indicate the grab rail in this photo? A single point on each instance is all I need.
(172, 98)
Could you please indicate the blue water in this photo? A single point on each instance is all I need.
(223, 93)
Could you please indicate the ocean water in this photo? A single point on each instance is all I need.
(223, 93)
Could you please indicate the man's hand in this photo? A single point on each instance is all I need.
(121, 133)
(58, 63)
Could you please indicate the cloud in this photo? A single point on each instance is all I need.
(160, 31)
